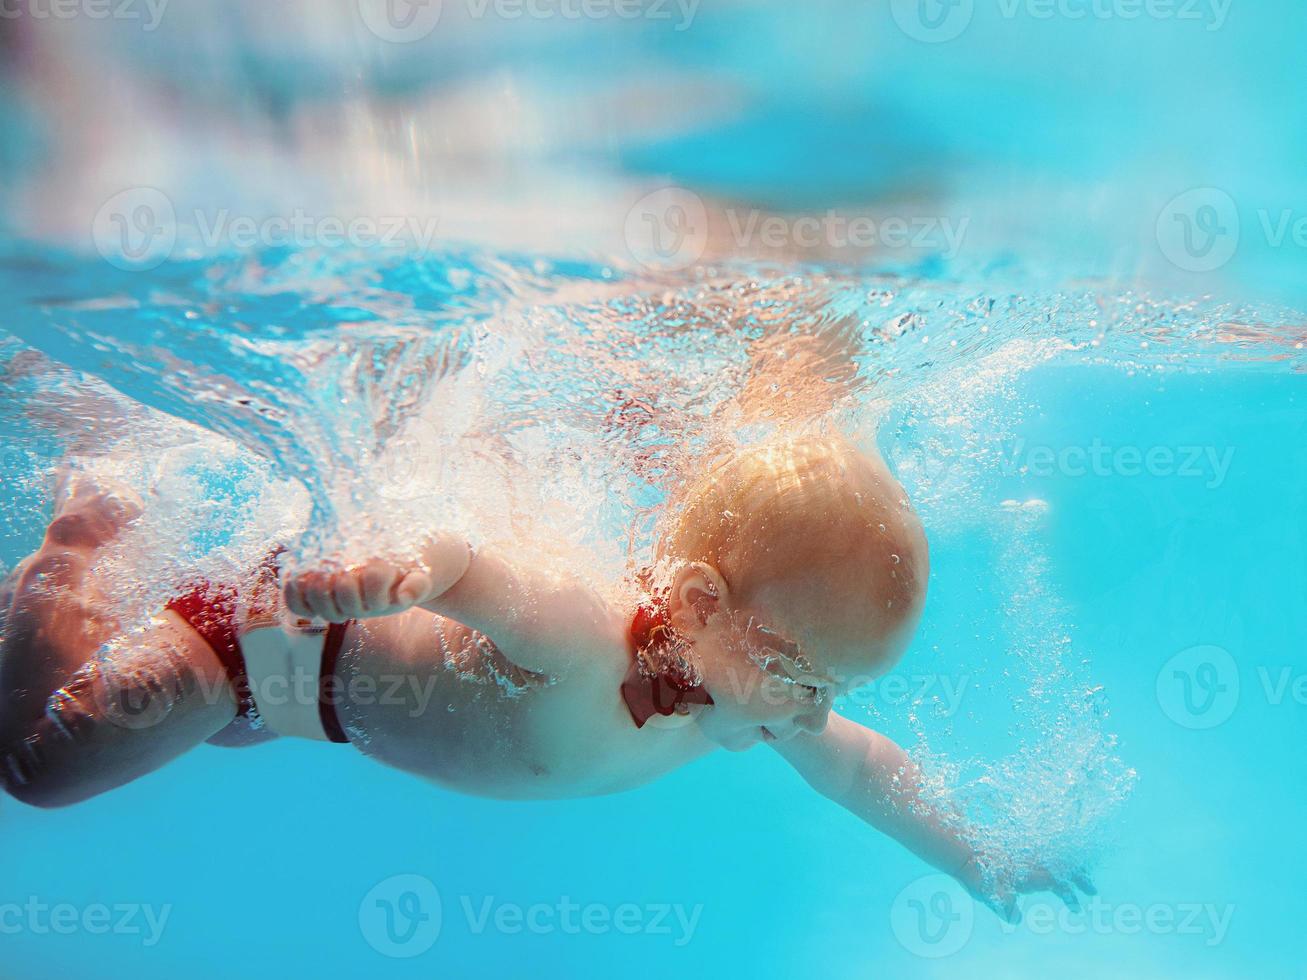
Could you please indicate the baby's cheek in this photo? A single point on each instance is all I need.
(775, 697)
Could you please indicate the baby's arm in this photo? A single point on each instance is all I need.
(539, 621)
(875, 780)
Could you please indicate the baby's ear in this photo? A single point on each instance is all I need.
(698, 591)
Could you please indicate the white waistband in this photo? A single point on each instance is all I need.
(285, 667)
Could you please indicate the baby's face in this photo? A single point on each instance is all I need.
(836, 589)
(771, 680)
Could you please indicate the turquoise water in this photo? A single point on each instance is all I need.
(1104, 437)
(1083, 595)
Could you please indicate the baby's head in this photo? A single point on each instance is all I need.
(801, 573)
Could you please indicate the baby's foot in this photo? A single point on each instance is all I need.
(87, 516)
(54, 612)
(89, 513)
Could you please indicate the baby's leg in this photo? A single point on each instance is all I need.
(72, 724)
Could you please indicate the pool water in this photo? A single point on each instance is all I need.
(1103, 540)
(1104, 432)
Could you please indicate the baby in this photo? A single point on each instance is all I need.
(788, 575)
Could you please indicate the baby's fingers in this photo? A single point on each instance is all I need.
(1005, 906)
(377, 581)
(347, 590)
(1002, 903)
(360, 592)
(1067, 894)
(295, 601)
(319, 601)
(311, 595)
(415, 587)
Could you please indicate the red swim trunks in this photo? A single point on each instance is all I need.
(211, 611)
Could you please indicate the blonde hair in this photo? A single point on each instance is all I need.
(800, 506)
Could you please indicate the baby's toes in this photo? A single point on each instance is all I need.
(93, 518)
(124, 505)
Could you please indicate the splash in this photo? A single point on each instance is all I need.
(341, 406)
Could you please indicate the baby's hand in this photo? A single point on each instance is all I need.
(378, 587)
(1001, 896)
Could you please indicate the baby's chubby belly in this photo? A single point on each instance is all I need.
(446, 707)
